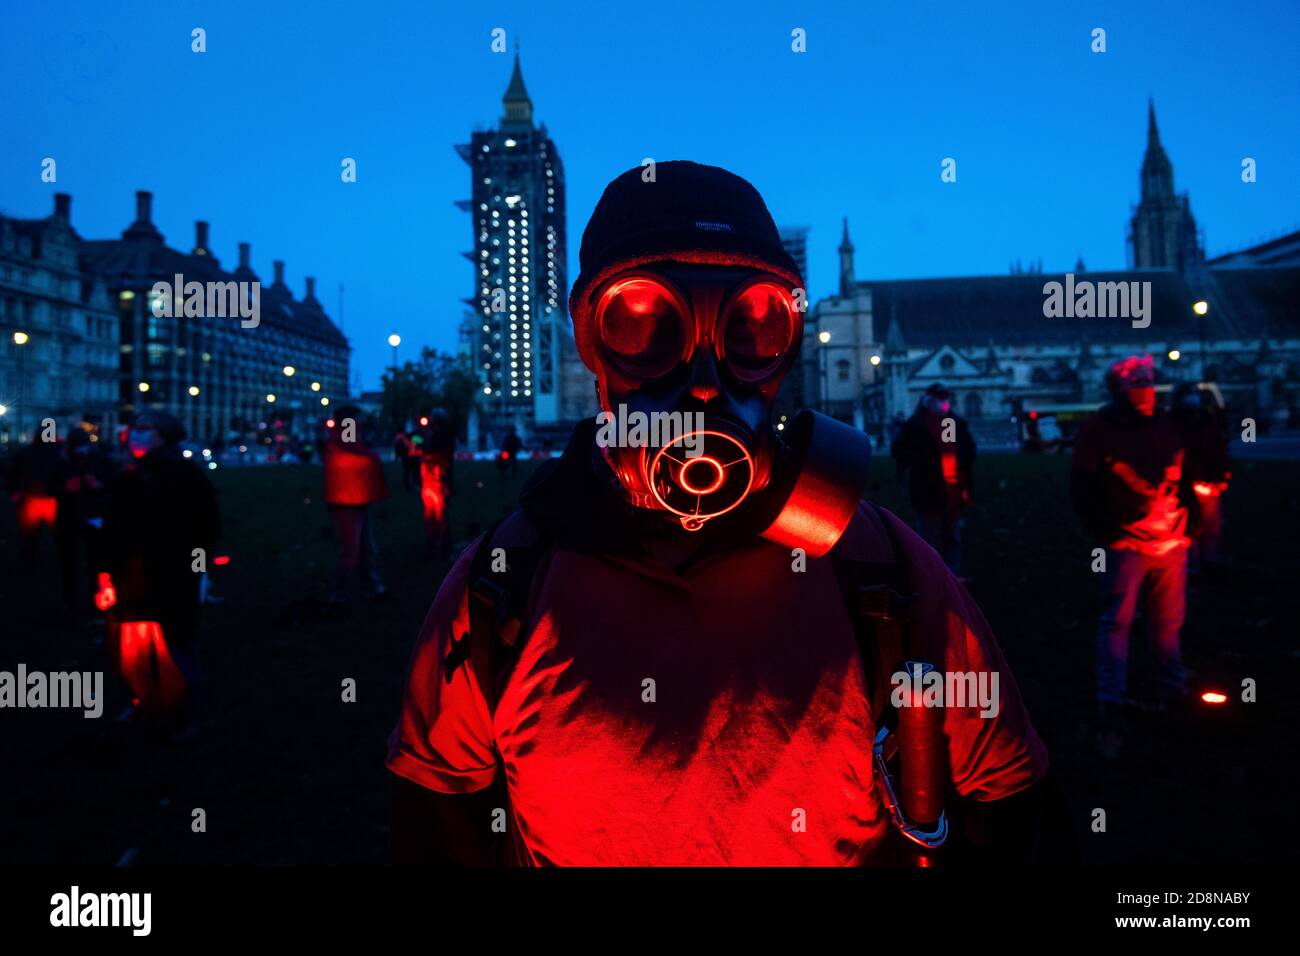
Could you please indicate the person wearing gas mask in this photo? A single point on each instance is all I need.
(659, 658)
(1130, 487)
(1201, 423)
(161, 507)
(936, 451)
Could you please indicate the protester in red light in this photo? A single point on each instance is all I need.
(935, 450)
(644, 673)
(438, 458)
(1205, 437)
(161, 508)
(33, 483)
(354, 480)
(1129, 486)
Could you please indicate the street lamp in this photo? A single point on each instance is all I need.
(1202, 308)
(394, 340)
(289, 370)
(824, 337)
(21, 339)
(1175, 355)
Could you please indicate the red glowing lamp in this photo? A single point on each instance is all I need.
(1214, 697)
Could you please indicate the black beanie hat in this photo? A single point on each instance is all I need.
(689, 213)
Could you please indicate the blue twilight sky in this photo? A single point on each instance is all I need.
(1047, 135)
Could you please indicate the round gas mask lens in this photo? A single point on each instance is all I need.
(758, 330)
(641, 327)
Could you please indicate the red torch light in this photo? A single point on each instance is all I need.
(105, 594)
(1214, 697)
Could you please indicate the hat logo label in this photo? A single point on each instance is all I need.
(713, 226)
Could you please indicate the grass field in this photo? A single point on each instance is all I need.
(287, 773)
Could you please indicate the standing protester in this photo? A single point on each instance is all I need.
(407, 452)
(83, 499)
(354, 480)
(1129, 485)
(666, 655)
(1201, 424)
(438, 458)
(508, 460)
(33, 481)
(160, 529)
(935, 449)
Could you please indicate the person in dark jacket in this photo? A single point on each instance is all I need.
(82, 494)
(406, 450)
(160, 529)
(354, 480)
(934, 448)
(1201, 423)
(678, 562)
(33, 479)
(1129, 486)
(511, 445)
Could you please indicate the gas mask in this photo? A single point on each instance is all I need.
(689, 359)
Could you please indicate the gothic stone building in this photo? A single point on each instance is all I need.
(871, 350)
(214, 373)
(58, 357)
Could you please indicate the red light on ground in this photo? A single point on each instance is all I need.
(1214, 697)
(221, 560)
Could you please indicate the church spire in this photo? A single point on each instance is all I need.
(1153, 133)
(846, 261)
(518, 106)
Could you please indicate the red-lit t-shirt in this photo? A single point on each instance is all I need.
(754, 746)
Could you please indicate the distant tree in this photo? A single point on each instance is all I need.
(437, 380)
(407, 392)
(455, 385)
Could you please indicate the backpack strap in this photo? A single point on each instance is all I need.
(879, 601)
(500, 582)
